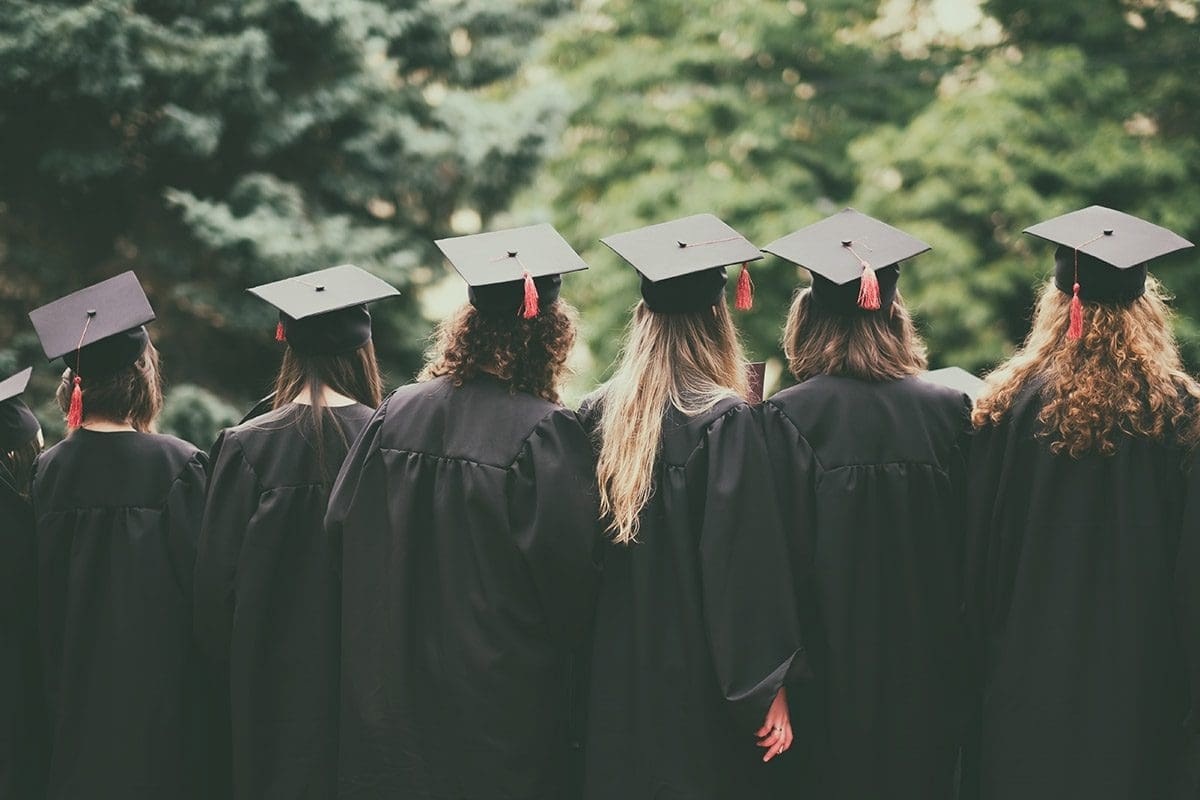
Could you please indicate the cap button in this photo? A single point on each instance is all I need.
(846, 242)
(91, 312)
(320, 288)
(1108, 232)
(512, 253)
(682, 244)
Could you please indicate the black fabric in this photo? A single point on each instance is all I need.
(117, 518)
(22, 716)
(843, 298)
(329, 334)
(267, 599)
(18, 425)
(263, 406)
(108, 356)
(872, 481)
(696, 628)
(467, 519)
(1081, 592)
(508, 298)
(1098, 282)
(695, 291)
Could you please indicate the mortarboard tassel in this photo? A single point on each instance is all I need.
(1075, 330)
(75, 413)
(868, 290)
(280, 336)
(745, 290)
(530, 308)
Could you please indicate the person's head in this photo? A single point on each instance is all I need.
(20, 433)
(354, 374)
(131, 395)
(688, 361)
(528, 354)
(876, 346)
(1122, 376)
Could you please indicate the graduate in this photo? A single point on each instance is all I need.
(267, 595)
(870, 459)
(696, 629)
(22, 718)
(1083, 569)
(117, 514)
(466, 513)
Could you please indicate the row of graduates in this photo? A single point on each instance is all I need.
(466, 590)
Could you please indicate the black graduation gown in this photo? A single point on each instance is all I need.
(467, 519)
(267, 598)
(22, 726)
(117, 518)
(1083, 593)
(872, 481)
(696, 628)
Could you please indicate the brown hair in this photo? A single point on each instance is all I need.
(354, 375)
(1123, 376)
(530, 355)
(133, 395)
(688, 361)
(874, 347)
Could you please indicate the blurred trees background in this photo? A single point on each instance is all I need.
(211, 145)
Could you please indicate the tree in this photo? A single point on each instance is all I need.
(737, 107)
(211, 146)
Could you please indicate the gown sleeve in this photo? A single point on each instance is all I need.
(746, 578)
(555, 520)
(184, 510)
(360, 494)
(233, 496)
(1187, 592)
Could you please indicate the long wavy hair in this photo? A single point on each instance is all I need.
(133, 395)
(354, 375)
(19, 463)
(871, 347)
(1122, 377)
(530, 355)
(688, 362)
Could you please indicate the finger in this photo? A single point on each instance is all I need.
(766, 728)
(769, 739)
(774, 751)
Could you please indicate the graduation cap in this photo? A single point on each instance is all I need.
(325, 312)
(18, 425)
(955, 378)
(682, 262)
(1102, 256)
(96, 331)
(854, 259)
(516, 271)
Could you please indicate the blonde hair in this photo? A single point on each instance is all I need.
(1123, 376)
(689, 362)
(874, 347)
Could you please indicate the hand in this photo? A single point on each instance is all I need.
(776, 732)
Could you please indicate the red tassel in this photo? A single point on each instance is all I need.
(1076, 328)
(75, 414)
(530, 309)
(280, 336)
(745, 290)
(868, 290)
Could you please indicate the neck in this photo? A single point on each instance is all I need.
(329, 398)
(106, 426)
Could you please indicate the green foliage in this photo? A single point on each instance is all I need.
(214, 145)
(196, 414)
(773, 115)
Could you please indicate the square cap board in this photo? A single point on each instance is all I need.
(90, 315)
(682, 246)
(483, 259)
(836, 247)
(16, 385)
(324, 291)
(1114, 237)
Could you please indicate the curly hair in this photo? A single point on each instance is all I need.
(871, 347)
(133, 395)
(1122, 377)
(530, 355)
